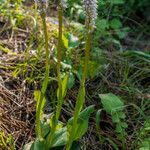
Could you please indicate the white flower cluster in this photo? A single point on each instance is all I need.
(42, 4)
(63, 3)
(91, 11)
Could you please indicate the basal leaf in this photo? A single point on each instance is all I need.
(64, 85)
(82, 123)
(36, 145)
(37, 96)
(60, 137)
(111, 102)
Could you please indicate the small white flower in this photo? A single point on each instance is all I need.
(91, 11)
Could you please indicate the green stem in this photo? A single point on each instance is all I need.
(60, 98)
(59, 53)
(79, 103)
(45, 83)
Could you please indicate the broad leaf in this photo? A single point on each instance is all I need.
(37, 145)
(38, 97)
(64, 85)
(60, 137)
(111, 102)
(115, 24)
(82, 123)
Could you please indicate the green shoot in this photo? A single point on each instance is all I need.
(45, 83)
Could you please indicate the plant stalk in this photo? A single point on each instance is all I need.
(45, 82)
(59, 56)
(60, 98)
(79, 103)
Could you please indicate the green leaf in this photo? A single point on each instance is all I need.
(82, 123)
(122, 34)
(65, 41)
(37, 145)
(79, 73)
(115, 118)
(98, 118)
(124, 125)
(64, 85)
(71, 81)
(45, 128)
(121, 115)
(60, 137)
(46, 80)
(16, 72)
(80, 100)
(46, 124)
(115, 24)
(37, 96)
(102, 25)
(111, 102)
(59, 124)
(119, 129)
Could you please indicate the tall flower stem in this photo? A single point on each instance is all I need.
(80, 101)
(59, 54)
(59, 96)
(45, 82)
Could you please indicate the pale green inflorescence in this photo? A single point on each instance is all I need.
(91, 11)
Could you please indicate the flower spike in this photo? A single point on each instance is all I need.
(63, 3)
(91, 11)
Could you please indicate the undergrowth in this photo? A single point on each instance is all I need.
(113, 89)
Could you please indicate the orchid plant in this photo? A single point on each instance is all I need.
(52, 133)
